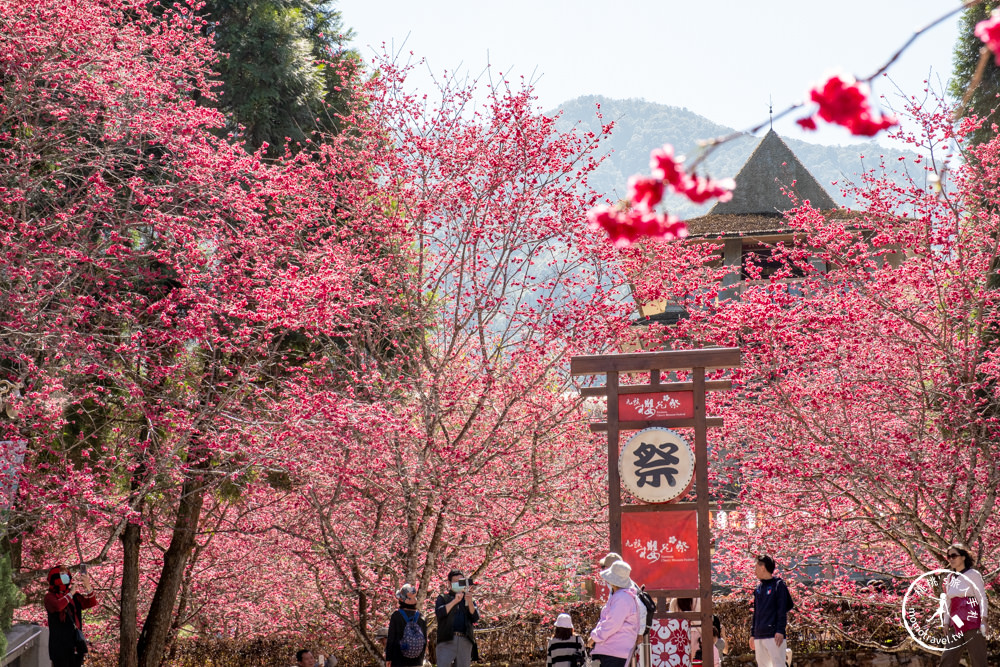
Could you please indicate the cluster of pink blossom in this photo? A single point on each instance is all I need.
(856, 435)
(844, 101)
(669, 171)
(626, 227)
(989, 32)
(645, 192)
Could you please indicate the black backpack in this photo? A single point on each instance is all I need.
(650, 604)
(412, 643)
(788, 596)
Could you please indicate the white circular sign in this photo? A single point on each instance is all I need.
(657, 465)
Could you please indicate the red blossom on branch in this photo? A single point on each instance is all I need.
(700, 189)
(696, 188)
(645, 192)
(988, 31)
(844, 101)
(624, 227)
(667, 167)
(807, 123)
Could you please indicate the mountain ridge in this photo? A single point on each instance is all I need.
(641, 126)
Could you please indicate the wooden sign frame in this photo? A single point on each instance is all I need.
(655, 363)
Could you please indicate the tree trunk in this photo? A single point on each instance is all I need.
(131, 537)
(128, 622)
(182, 605)
(153, 638)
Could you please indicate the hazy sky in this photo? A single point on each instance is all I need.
(721, 59)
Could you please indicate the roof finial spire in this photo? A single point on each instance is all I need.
(770, 110)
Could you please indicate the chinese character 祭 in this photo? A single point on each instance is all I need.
(655, 461)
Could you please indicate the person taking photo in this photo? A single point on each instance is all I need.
(457, 615)
(64, 604)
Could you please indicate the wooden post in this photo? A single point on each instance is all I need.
(704, 527)
(614, 480)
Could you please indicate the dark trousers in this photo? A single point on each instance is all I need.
(457, 652)
(974, 642)
(609, 660)
(75, 660)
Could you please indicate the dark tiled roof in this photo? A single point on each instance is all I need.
(759, 183)
(714, 225)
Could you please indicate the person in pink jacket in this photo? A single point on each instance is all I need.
(613, 640)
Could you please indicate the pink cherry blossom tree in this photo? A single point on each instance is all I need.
(469, 448)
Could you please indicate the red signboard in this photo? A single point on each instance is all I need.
(662, 548)
(656, 405)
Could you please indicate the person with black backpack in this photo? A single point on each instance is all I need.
(647, 609)
(407, 641)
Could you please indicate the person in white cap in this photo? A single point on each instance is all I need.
(565, 649)
(613, 640)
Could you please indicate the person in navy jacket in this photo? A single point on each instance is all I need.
(771, 604)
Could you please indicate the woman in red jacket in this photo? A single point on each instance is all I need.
(65, 604)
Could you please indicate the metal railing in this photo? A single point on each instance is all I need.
(25, 644)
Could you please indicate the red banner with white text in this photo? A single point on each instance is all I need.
(662, 548)
(656, 405)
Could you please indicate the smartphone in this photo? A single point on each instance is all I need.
(464, 584)
(83, 568)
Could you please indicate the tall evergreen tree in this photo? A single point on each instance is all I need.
(983, 99)
(10, 599)
(281, 67)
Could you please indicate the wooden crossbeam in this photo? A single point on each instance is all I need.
(710, 422)
(716, 357)
(710, 385)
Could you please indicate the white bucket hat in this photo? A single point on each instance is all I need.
(564, 621)
(618, 574)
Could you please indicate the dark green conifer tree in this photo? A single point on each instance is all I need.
(10, 599)
(983, 99)
(281, 67)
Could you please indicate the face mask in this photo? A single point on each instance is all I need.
(455, 587)
(65, 579)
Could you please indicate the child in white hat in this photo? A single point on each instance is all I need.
(566, 649)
